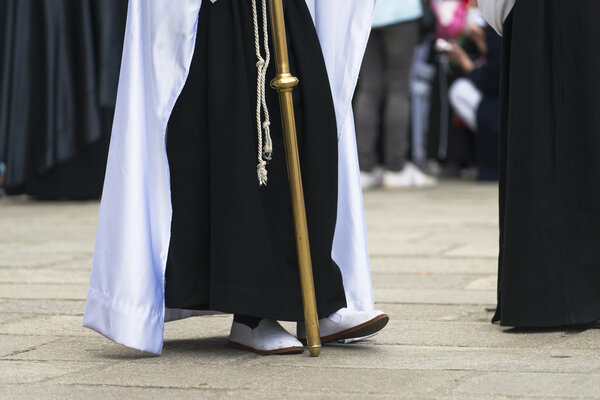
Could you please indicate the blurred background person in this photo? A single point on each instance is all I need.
(449, 143)
(475, 97)
(59, 68)
(457, 61)
(382, 102)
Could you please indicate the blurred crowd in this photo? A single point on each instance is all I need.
(427, 100)
(426, 104)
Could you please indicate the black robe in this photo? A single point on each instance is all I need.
(549, 267)
(59, 68)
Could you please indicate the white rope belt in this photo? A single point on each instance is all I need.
(262, 64)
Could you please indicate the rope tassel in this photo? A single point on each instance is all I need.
(263, 121)
(268, 149)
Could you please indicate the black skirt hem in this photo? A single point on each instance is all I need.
(544, 312)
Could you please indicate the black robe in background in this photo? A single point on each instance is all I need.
(549, 267)
(59, 68)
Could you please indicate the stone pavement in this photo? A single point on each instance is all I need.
(433, 262)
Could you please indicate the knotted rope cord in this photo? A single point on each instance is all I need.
(264, 153)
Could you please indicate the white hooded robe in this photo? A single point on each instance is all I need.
(125, 300)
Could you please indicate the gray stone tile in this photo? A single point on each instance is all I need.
(44, 275)
(30, 371)
(13, 345)
(103, 392)
(26, 259)
(47, 325)
(530, 384)
(581, 339)
(489, 283)
(437, 312)
(486, 249)
(41, 306)
(203, 349)
(68, 291)
(434, 265)
(435, 296)
(177, 374)
(87, 349)
(373, 356)
(431, 281)
(466, 334)
(389, 245)
(198, 327)
(334, 380)
(6, 317)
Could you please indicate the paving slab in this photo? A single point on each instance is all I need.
(435, 296)
(437, 312)
(67, 291)
(41, 306)
(476, 334)
(517, 384)
(103, 392)
(23, 258)
(53, 275)
(433, 281)
(434, 264)
(27, 372)
(14, 345)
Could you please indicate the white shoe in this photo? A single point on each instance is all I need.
(347, 324)
(369, 180)
(267, 338)
(410, 176)
(419, 178)
(397, 180)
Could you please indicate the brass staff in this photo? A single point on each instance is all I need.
(284, 82)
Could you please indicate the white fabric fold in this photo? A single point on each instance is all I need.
(495, 12)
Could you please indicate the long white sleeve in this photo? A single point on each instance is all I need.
(496, 11)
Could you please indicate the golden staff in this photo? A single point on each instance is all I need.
(284, 82)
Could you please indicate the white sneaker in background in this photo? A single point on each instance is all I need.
(410, 176)
(419, 178)
(397, 180)
(369, 180)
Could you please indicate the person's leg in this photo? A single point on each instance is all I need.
(398, 42)
(367, 107)
(465, 99)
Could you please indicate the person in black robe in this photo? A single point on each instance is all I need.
(59, 71)
(549, 266)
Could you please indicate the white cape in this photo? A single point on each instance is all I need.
(125, 300)
(495, 12)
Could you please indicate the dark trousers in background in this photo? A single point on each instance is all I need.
(382, 104)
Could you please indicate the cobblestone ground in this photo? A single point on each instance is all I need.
(434, 265)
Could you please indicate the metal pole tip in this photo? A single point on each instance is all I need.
(314, 350)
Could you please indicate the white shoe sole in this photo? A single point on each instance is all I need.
(282, 351)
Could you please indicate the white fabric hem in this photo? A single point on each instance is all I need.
(132, 326)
